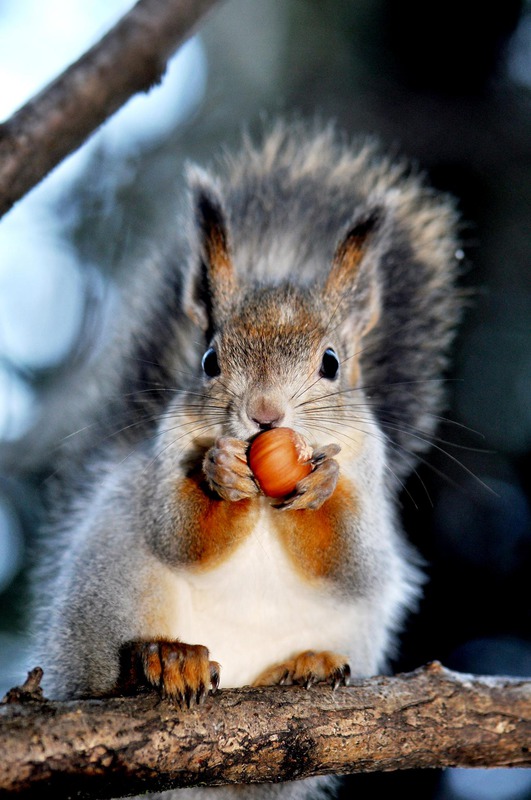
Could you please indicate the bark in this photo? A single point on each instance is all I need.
(431, 717)
(131, 58)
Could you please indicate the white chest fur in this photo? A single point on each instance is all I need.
(254, 610)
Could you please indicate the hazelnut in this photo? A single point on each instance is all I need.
(279, 458)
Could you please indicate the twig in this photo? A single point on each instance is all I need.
(130, 58)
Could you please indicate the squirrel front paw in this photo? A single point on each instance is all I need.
(312, 491)
(227, 471)
(306, 669)
(182, 672)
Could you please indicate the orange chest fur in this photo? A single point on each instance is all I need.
(314, 540)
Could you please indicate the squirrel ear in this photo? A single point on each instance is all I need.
(212, 283)
(352, 284)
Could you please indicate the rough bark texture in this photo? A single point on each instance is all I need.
(103, 748)
(130, 58)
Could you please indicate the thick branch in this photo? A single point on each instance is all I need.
(130, 58)
(428, 718)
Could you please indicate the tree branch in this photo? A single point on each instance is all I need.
(130, 58)
(103, 748)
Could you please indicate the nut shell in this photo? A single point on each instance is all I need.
(279, 459)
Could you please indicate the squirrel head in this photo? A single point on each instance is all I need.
(272, 349)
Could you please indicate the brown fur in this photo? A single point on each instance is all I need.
(216, 527)
(315, 539)
(307, 668)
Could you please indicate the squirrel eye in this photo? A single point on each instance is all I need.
(329, 364)
(209, 362)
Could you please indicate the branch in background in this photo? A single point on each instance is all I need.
(104, 748)
(131, 58)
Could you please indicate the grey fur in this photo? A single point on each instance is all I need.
(284, 207)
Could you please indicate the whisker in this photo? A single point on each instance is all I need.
(400, 426)
(397, 447)
(372, 387)
(384, 439)
(302, 390)
(192, 433)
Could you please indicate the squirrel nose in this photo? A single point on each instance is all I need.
(266, 422)
(266, 412)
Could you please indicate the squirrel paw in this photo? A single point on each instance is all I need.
(227, 471)
(179, 671)
(306, 669)
(318, 486)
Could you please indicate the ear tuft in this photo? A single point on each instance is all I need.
(353, 247)
(352, 284)
(212, 282)
(211, 225)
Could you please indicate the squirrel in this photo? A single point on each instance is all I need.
(311, 284)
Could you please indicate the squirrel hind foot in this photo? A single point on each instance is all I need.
(307, 668)
(180, 672)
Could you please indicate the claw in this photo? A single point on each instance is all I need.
(175, 697)
(214, 675)
(284, 677)
(188, 694)
(200, 694)
(329, 451)
(341, 676)
(283, 506)
(310, 680)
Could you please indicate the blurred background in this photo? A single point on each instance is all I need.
(448, 85)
